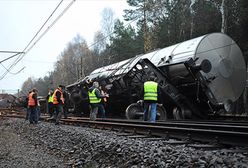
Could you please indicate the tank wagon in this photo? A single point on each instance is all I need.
(198, 77)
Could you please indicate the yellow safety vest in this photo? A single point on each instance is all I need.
(150, 90)
(50, 99)
(93, 98)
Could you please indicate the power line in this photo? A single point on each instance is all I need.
(7, 69)
(11, 56)
(43, 25)
(13, 73)
(50, 26)
(10, 52)
(20, 57)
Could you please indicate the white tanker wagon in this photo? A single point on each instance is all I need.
(197, 77)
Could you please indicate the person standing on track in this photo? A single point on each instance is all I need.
(32, 107)
(26, 105)
(66, 102)
(151, 94)
(50, 103)
(95, 98)
(58, 102)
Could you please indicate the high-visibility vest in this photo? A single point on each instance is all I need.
(50, 99)
(31, 101)
(92, 97)
(55, 100)
(150, 90)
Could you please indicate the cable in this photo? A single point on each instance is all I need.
(7, 70)
(13, 73)
(21, 56)
(11, 56)
(50, 26)
(28, 49)
(10, 52)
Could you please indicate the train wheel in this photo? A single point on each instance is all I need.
(134, 111)
(181, 113)
(161, 113)
(178, 114)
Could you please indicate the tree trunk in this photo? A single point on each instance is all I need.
(223, 17)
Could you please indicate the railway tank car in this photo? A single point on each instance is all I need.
(202, 76)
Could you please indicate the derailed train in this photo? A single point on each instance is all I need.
(198, 77)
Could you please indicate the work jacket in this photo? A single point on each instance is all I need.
(50, 98)
(93, 97)
(151, 90)
(58, 97)
(31, 99)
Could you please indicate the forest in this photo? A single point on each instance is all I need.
(147, 25)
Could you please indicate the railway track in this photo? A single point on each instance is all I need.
(212, 132)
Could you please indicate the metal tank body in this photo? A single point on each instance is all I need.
(227, 77)
(221, 85)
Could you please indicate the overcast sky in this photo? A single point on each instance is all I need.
(21, 19)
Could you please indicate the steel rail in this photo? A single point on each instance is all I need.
(227, 137)
(209, 125)
(193, 133)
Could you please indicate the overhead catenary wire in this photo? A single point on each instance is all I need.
(21, 56)
(10, 52)
(7, 70)
(26, 49)
(11, 57)
(13, 73)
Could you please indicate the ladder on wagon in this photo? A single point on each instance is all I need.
(183, 107)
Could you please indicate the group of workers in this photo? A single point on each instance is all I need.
(58, 102)
(56, 105)
(150, 94)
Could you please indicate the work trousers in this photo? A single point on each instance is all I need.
(65, 109)
(33, 118)
(58, 108)
(150, 111)
(27, 114)
(50, 109)
(95, 107)
(38, 112)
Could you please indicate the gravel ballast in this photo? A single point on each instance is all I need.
(49, 145)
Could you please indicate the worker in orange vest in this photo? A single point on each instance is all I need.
(32, 106)
(58, 103)
(26, 105)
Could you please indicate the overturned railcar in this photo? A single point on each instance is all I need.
(198, 77)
